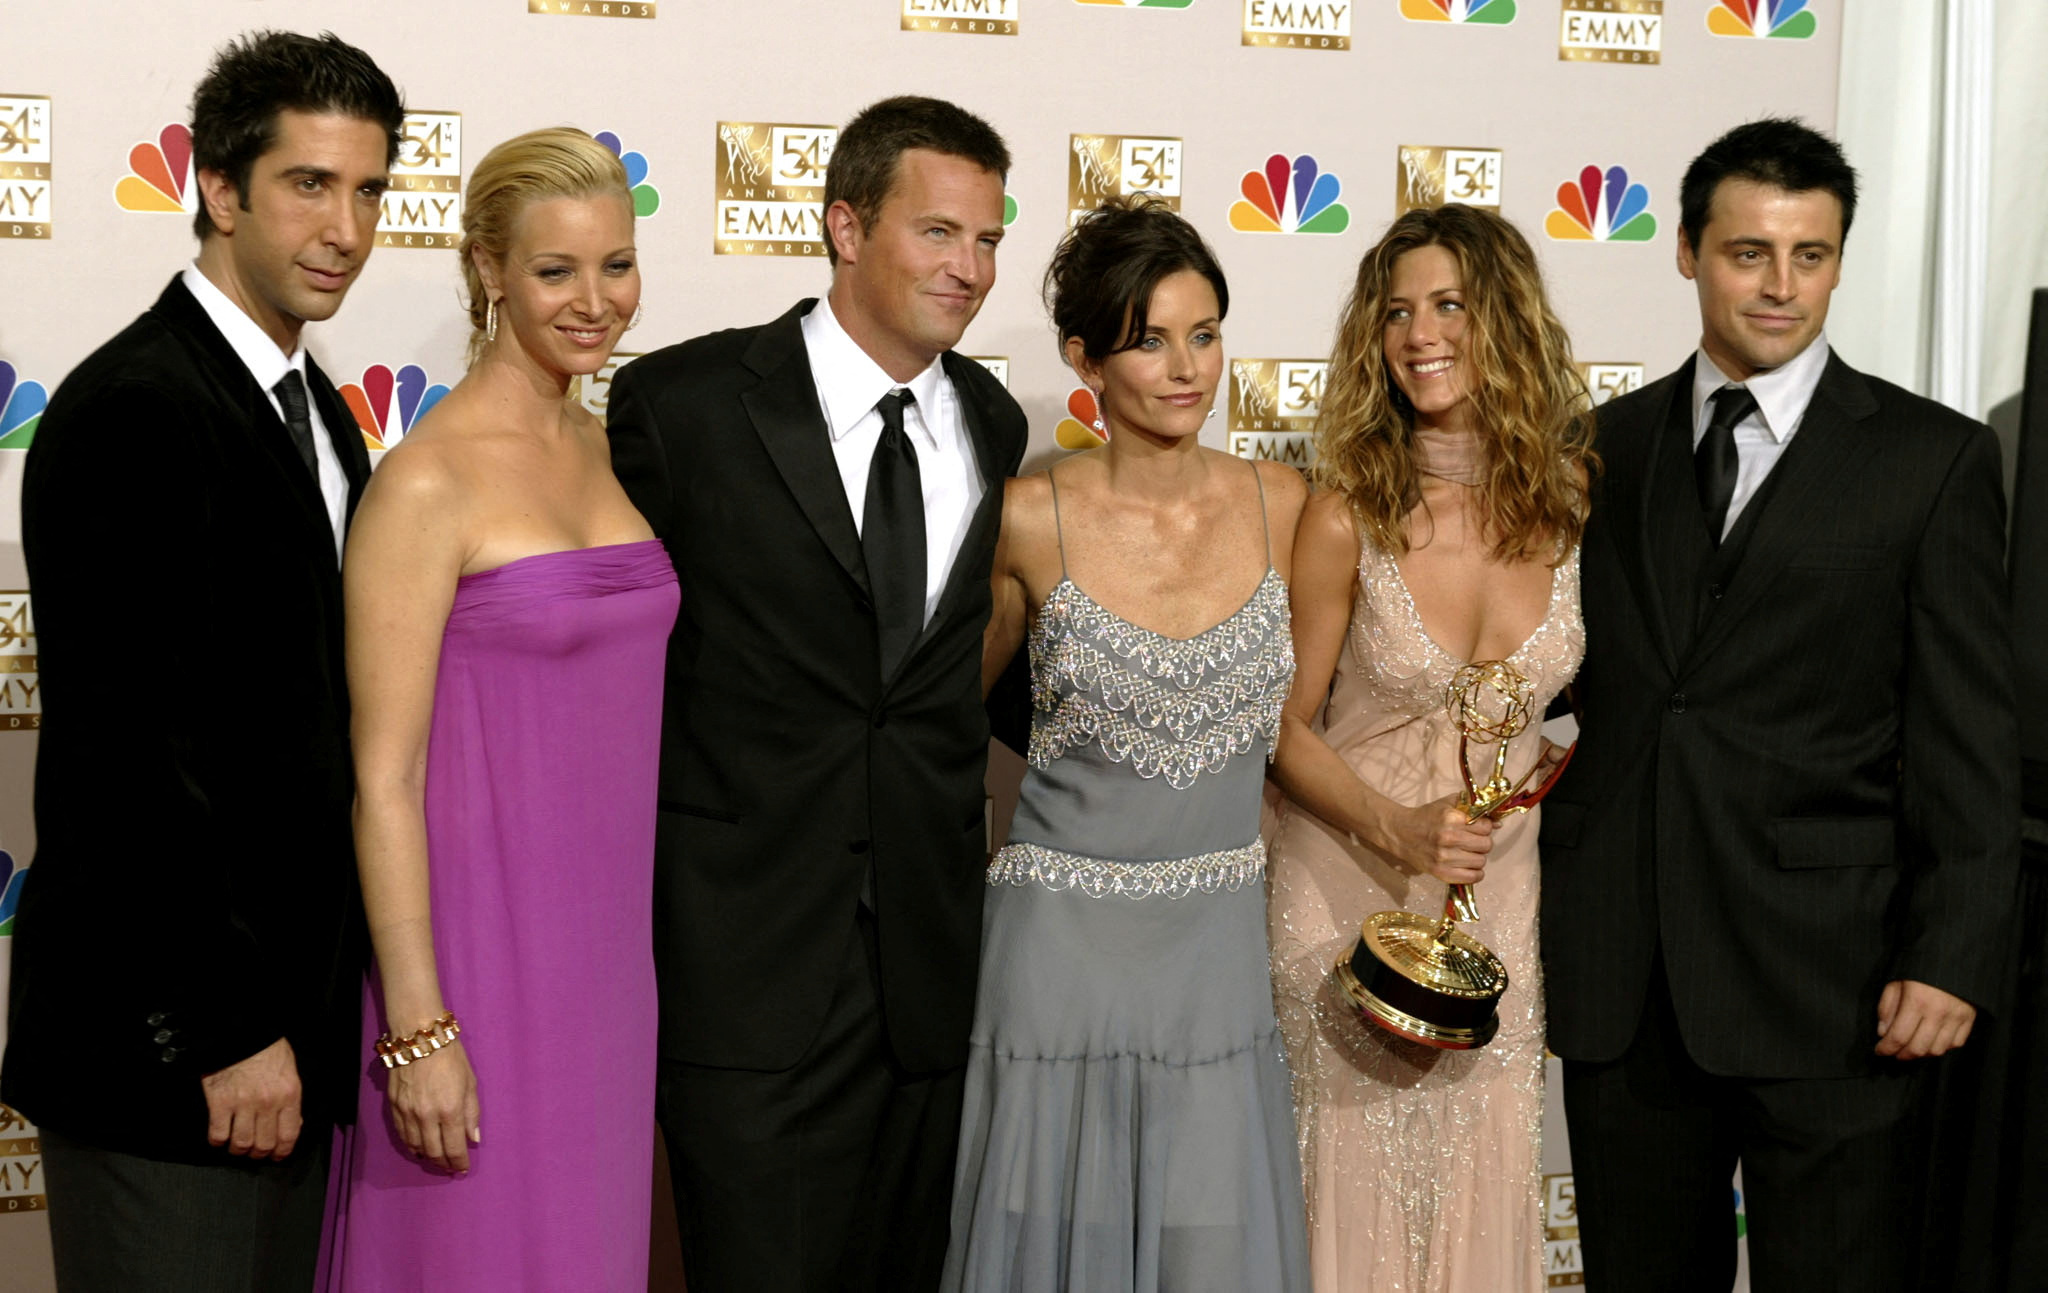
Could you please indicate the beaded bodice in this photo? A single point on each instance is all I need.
(1165, 707)
(1405, 671)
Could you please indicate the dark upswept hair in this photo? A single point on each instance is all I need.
(1104, 271)
(255, 77)
(1534, 415)
(864, 157)
(1783, 152)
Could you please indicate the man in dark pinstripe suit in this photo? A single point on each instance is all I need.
(1777, 875)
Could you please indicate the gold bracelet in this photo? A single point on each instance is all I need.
(396, 1052)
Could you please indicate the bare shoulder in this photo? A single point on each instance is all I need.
(1327, 518)
(1030, 540)
(1286, 490)
(419, 475)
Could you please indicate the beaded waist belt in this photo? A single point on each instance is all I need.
(1020, 864)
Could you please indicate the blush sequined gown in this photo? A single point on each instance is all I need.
(1423, 1167)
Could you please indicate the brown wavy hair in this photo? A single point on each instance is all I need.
(1531, 406)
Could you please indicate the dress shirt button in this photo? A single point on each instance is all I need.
(163, 1035)
(1678, 702)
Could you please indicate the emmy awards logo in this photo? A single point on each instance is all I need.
(1427, 980)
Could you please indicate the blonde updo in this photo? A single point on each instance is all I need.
(559, 162)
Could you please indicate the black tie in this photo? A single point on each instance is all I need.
(892, 534)
(1713, 460)
(291, 393)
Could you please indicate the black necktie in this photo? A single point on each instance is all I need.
(1713, 459)
(291, 393)
(892, 534)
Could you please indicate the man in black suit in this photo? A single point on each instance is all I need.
(1777, 876)
(829, 486)
(187, 959)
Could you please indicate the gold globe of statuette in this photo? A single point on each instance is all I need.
(1427, 980)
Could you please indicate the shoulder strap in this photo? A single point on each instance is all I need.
(1057, 537)
(1264, 524)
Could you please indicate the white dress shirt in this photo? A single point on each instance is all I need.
(850, 384)
(1782, 395)
(267, 364)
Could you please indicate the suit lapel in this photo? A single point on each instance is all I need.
(1806, 478)
(1632, 462)
(988, 512)
(261, 425)
(787, 416)
(343, 433)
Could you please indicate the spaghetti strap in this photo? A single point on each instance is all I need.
(1061, 540)
(1264, 524)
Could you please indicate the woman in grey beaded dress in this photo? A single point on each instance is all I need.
(1128, 1125)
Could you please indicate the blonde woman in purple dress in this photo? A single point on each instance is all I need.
(508, 615)
(1452, 455)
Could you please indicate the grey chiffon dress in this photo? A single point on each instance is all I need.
(1128, 1125)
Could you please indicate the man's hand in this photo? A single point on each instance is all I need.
(253, 1107)
(1917, 1020)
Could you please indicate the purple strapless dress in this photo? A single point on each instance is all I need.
(540, 804)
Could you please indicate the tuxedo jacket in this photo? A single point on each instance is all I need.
(1797, 765)
(790, 766)
(194, 891)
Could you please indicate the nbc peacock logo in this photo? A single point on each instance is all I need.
(1077, 429)
(11, 879)
(1601, 208)
(388, 405)
(1778, 19)
(159, 178)
(21, 408)
(1290, 196)
(1495, 12)
(646, 198)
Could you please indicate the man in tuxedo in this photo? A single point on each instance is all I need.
(829, 486)
(1777, 876)
(187, 960)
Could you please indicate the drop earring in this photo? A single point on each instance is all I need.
(490, 322)
(1100, 429)
(634, 322)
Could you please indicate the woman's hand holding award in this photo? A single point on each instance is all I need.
(1424, 978)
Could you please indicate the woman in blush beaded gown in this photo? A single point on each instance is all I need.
(508, 618)
(1127, 1125)
(1453, 457)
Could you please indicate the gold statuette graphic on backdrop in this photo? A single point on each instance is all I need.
(1428, 176)
(769, 182)
(1427, 980)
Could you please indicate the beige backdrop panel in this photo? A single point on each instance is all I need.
(116, 72)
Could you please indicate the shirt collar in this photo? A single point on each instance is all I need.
(851, 383)
(251, 344)
(1782, 393)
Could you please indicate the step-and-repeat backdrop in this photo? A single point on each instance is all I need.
(1288, 131)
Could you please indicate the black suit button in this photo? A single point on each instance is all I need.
(1714, 591)
(857, 846)
(169, 1055)
(156, 1019)
(881, 718)
(163, 1035)
(1678, 702)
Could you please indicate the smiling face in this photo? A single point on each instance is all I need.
(1424, 335)
(1163, 387)
(288, 249)
(1767, 263)
(907, 286)
(568, 284)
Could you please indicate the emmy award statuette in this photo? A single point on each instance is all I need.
(1425, 979)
